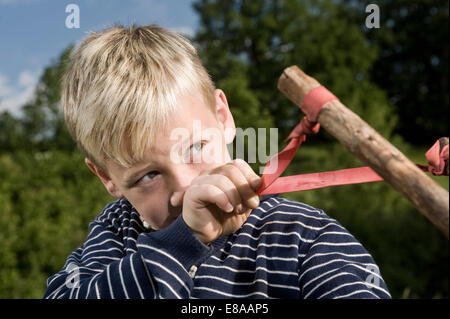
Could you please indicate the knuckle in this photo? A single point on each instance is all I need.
(239, 161)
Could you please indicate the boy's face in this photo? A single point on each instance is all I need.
(179, 154)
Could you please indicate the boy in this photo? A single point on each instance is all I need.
(183, 226)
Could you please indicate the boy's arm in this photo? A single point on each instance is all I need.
(99, 268)
(336, 265)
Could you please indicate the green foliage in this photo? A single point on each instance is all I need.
(48, 199)
(412, 66)
(268, 36)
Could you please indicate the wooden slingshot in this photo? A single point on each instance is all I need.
(369, 146)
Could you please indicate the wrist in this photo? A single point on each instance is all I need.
(204, 237)
(179, 241)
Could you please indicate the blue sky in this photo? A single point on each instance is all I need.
(33, 33)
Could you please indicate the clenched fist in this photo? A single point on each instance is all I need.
(219, 201)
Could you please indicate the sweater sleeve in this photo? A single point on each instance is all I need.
(337, 266)
(158, 269)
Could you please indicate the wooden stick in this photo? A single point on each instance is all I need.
(363, 141)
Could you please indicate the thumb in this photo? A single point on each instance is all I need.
(176, 199)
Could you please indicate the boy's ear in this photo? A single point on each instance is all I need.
(224, 116)
(106, 180)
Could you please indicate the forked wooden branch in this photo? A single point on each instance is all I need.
(363, 141)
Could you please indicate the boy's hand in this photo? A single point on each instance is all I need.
(219, 201)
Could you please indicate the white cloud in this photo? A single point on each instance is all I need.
(186, 31)
(14, 95)
(4, 88)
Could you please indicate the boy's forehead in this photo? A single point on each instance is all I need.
(183, 126)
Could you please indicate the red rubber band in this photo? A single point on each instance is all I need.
(272, 183)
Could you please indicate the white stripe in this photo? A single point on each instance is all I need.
(334, 244)
(135, 278)
(275, 200)
(121, 280)
(100, 257)
(353, 293)
(248, 283)
(96, 290)
(100, 250)
(280, 212)
(233, 245)
(319, 276)
(109, 282)
(290, 223)
(101, 243)
(346, 263)
(162, 252)
(345, 285)
(302, 205)
(257, 257)
(298, 205)
(129, 238)
(89, 286)
(53, 278)
(280, 272)
(275, 233)
(168, 286)
(96, 236)
(148, 275)
(233, 295)
(328, 279)
(334, 253)
(167, 270)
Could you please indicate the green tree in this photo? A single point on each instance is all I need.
(412, 67)
(41, 127)
(265, 37)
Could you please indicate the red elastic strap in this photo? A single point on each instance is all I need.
(305, 182)
(272, 183)
(312, 104)
(315, 100)
(436, 159)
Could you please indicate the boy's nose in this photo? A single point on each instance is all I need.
(180, 181)
(182, 178)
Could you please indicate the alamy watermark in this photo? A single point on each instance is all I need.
(374, 279)
(373, 19)
(73, 19)
(73, 278)
(205, 145)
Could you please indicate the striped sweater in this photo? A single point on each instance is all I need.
(285, 249)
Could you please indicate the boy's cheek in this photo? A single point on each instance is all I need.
(153, 209)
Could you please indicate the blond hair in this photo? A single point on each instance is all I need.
(121, 86)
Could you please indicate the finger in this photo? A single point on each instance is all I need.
(223, 183)
(253, 179)
(205, 194)
(248, 196)
(177, 199)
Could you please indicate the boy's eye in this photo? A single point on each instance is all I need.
(193, 152)
(148, 177)
(196, 147)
